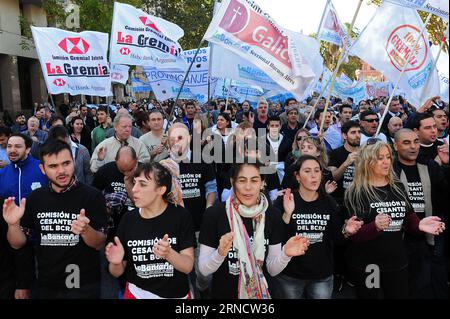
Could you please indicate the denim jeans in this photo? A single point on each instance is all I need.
(293, 288)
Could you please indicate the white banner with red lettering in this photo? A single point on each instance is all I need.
(138, 38)
(387, 44)
(119, 73)
(74, 63)
(242, 27)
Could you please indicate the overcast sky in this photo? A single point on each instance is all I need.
(305, 15)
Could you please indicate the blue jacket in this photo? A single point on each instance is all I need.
(20, 179)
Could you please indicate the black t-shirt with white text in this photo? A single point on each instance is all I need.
(49, 216)
(215, 225)
(387, 250)
(193, 178)
(337, 158)
(109, 179)
(318, 221)
(138, 236)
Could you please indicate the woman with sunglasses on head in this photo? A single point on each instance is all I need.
(312, 214)
(295, 153)
(376, 255)
(154, 245)
(315, 147)
(242, 235)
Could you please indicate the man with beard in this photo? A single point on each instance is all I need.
(197, 180)
(21, 124)
(66, 220)
(17, 180)
(426, 186)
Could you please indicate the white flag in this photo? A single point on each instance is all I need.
(442, 68)
(243, 27)
(73, 63)
(119, 73)
(138, 38)
(437, 7)
(331, 29)
(387, 44)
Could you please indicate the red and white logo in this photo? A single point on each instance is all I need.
(255, 30)
(402, 47)
(116, 76)
(59, 82)
(74, 45)
(149, 23)
(125, 51)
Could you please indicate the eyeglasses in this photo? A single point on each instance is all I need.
(373, 140)
(371, 120)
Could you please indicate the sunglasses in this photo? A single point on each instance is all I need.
(373, 140)
(371, 120)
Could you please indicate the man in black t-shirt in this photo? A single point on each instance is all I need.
(342, 159)
(66, 221)
(426, 186)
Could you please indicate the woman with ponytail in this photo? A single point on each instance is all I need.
(154, 245)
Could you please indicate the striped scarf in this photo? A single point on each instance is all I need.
(252, 283)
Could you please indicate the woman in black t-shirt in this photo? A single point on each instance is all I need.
(155, 242)
(312, 214)
(312, 146)
(241, 235)
(376, 254)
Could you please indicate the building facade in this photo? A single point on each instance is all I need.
(21, 81)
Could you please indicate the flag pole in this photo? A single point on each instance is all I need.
(427, 83)
(317, 102)
(323, 16)
(380, 124)
(184, 80)
(340, 60)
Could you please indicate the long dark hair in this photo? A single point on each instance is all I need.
(298, 165)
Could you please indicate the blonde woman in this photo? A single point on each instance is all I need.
(376, 254)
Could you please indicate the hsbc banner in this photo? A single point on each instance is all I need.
(243, 27)
(166, 83)
(73, 63)
(138, 38)
(119, 73)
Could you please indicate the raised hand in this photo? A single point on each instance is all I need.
(330, 187)
(225, 243)
(13, 213)
(81, 224)
(288, 202)
(432, 225)
(443, 152)
(101, 153)
(296, 246)
(162, 249)
(114, 252)
(352, 226)
(382, 221)
(351, 158)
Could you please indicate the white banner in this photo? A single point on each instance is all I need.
(243, 27)
(437, 7)
(73, 63)
(331, 29)
(138, 38)
(166, 83)
(442, 68)
(239, 91)
(387, 45)
(356, 91)
(377, 89)
(119, 73)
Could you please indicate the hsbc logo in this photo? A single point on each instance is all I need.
(125, 51)
(116, 76)
(59, 82)
(75, 45)
(149, 23)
